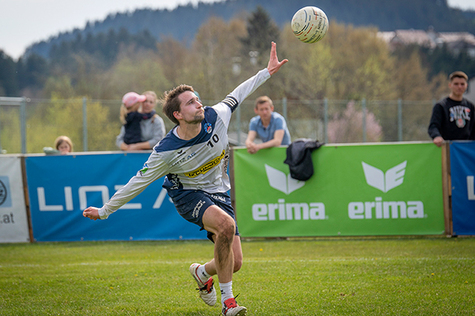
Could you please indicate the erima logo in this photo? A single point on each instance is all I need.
(384, 182)
(378, 208)
(282, 210)
(282, 182)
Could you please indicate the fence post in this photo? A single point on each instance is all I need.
(84, 123)
(399, 120)
(23, 124)
(325, 119)
(363, 107)
(284, 109)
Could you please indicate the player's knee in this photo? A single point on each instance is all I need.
(227, 229)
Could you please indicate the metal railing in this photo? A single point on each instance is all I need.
(28, 125)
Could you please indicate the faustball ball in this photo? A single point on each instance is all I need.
(309, 24)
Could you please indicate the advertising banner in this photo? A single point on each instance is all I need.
(373, 189)
(61, 187)
(462, 170)
(13, 217)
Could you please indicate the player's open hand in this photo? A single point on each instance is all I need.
(274, 64)
(91, 212)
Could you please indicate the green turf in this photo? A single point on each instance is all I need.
(331, 276)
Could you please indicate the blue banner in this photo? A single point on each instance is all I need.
(462, 169)
(61, 187)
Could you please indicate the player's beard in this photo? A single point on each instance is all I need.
(196, 119)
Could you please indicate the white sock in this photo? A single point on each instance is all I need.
(203, 275)
(226, 291)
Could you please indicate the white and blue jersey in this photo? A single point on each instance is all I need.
(196, 164)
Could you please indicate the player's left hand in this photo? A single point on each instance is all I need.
(252, 148)
(91, 212)
(274, 64)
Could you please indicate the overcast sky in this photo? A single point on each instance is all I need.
(24, 22)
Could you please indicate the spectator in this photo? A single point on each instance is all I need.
(268, 125)
(63, 144)
(453, 117)
(131, 118)
(152, 126)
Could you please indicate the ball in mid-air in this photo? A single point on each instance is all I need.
(309, 24)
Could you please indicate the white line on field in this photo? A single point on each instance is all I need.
(250, 260)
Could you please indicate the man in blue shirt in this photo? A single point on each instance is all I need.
(268, 125)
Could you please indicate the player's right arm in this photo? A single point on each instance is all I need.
(250, 145)
(153, 169)
(241, 92)
(435, 124)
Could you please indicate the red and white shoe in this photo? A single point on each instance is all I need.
(231, 308)
(206, 289)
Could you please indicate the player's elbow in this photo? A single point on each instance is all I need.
(277, 142)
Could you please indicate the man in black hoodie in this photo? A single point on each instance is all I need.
(453, 117)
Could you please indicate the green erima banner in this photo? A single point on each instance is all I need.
(374, 189)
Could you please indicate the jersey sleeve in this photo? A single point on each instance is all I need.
(231, 102)
(435, 124)
(472, 121)
(253, 124)
(279, 123)
(153, 169)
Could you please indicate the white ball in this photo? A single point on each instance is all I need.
(309, 24)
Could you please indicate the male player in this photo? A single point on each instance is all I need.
(453, 117)
(268, 125)
(194, 158)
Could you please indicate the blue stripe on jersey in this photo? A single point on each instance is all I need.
(231, 102)
(171, 142)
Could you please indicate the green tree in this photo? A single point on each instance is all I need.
(173, 56)
(32, 72)
(61, 116)
(261, 31)
(135, 72)
(8, 77)
(10, 134)
(209, 68)
(60, 87)
(309, 74)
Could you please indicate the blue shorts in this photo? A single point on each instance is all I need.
(191, 205)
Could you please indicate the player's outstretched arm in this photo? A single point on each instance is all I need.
(274, 64)
(91, 212)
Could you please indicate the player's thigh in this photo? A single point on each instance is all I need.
(215, 220)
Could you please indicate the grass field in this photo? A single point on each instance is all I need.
(330, 276)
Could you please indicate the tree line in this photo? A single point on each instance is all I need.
(183, 22)
(350, 63)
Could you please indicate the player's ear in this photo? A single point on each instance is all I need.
(255, 110)
(177, 115)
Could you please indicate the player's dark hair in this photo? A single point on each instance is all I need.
(170, 101)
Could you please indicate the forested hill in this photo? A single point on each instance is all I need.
(183, 22)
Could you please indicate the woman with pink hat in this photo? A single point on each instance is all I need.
(142, 128)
